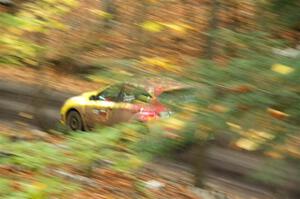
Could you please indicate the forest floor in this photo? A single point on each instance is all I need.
(163, 178)
(54, 79)
(154, 180)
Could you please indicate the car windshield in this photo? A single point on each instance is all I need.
(110, 94)
(134, 94)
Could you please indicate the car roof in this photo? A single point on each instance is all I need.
(156, 86)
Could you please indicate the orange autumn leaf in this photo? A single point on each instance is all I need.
(277, 114)
(241, 89)
(16, 186)
(218, 108)
(274, 155)
(172, 136)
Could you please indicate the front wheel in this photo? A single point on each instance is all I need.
(74, 121)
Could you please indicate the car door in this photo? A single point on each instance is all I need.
(130, 96)
(100, 107)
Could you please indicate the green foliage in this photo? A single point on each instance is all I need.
(32, 155)
(41, 188)
(47, 186)
(266, 89)
(35, 17)
(125, 146)
(242, 84)
(247, 45)
(183, 96)
(112, 70)
(86, 148)
(8, 20)
(81, 150)
(288, 12)
(17, 51)
(4, 186)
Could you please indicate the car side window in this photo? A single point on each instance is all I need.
(110, 94)
(133, 94)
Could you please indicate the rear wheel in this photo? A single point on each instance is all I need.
(74, 121)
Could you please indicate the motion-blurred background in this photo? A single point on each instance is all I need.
(238, 131)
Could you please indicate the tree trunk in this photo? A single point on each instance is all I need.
(138, 35)
(110, 8)
(213, 25)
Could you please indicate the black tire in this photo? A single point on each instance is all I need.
(74, 121)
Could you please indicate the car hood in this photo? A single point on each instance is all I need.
(83, 98)
(76, 101)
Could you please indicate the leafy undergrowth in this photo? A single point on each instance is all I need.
(106, 163)
(112, 184)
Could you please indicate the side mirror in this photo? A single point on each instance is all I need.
(93, 97)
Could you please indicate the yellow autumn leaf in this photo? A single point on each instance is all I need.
(62, 9)
(152, 26)
(26, 15)
(176, 27)
(156, 61)
(274, 154)
(293, 151)
(260, 134)
(50, 1)
(218, 108)
(282, 69)
(57, 25)
(16, 31)
(159, 62)
(246, 144)
(233, 127)
(135, 162)
(101, 13)
(98, 79)
(174, 123)
(40, 186)
(72, 3)
(265, 135)
(190, 108)
(33, 28)
(31, 62)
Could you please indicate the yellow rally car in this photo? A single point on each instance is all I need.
(119, 103)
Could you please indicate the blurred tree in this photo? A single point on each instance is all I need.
(213, 24)
(251, 92)
(23, 34)
(110, 9)
(138, 35)
(288, 12)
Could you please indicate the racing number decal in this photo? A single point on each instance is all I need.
(101, 114)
